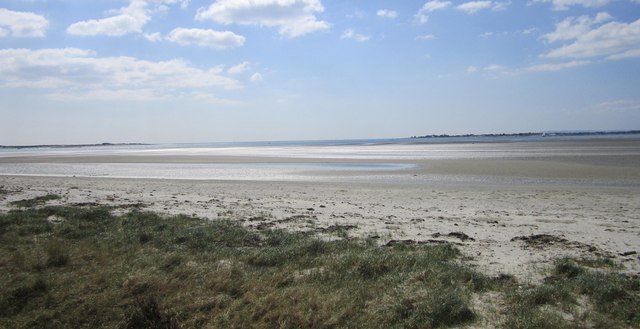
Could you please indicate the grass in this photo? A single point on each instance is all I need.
(576, 297)
(92, 269)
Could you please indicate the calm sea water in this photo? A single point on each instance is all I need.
(385, 157)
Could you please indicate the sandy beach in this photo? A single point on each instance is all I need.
(511, 208)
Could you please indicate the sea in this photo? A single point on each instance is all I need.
(364, 159)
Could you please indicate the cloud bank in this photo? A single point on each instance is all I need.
(205, 38)
(22, 24)
(80, 72)
(292, 18)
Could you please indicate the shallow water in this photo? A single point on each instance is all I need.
(239, 171)
(360, 161)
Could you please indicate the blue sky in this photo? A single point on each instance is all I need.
(242, 70)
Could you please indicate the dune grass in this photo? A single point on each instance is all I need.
(95, 270)
(91, 269)
(577, 297)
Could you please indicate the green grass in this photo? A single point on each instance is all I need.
(95, 270)
(578, 297)
(142, 270)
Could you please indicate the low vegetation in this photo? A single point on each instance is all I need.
(574, 296)
(91, 269)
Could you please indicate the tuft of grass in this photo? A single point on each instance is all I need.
(438, 309)
(603, 263)
(567, 267)
(37, 201)
(56, 254)
(612, 300)
(146, 314)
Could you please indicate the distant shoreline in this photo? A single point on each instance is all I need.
(401, 140)
(542, 134)
(67, 145)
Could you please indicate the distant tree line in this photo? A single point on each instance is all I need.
(528, 134)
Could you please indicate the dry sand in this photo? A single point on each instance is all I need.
(508, 215)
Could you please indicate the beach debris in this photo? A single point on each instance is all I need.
(541, 241)
(409, 242)
(392, 243)
(336, 228)
(262, 226)
(296, 218)
(460, 235)
(257, 219)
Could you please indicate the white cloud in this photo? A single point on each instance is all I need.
(589, 38)
(473, 7)
(153, 37)
(494, 67)
(422, 16)
(472, 69)
(68, 71)
(22, 24)
(573, 27)
(565, 4)
(500, 6)
(129, 19)
(256, 77)
(162, 5)
(351, 34)
(627, 54)
(237, 69)
(426, 37)
(550, 67)
(387, 13)
(205, 38)
(624, 105)
(183, 3)
(293, 18)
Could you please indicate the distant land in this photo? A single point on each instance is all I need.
(543, 134)
(67, 145)
(526, 134)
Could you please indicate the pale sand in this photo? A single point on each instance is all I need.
(589, 204)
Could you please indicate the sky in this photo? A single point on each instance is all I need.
(174, 71)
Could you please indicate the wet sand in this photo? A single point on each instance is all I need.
(508, 214)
